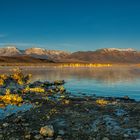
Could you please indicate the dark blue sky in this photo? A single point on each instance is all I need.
(70, 24)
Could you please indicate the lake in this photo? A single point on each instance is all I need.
(110, 81)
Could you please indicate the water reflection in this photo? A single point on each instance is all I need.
(105, 75)
(112, 81)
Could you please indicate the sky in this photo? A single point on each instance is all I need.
(70, 25)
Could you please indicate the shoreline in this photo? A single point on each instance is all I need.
(67, 64)
(81, 119)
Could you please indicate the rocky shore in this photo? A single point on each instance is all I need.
(81, 119)
(57, 115)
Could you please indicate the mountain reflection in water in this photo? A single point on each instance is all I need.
(105, 75)
(112, 81)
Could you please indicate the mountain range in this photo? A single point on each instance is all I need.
(12, 54)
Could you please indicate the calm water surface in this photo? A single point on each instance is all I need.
(115, 81)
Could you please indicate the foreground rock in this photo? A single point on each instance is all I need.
(47, 131)
(81, 119)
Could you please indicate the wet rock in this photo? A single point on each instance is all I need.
(47, 131)
(126, 97)
(59, 138)
(28, 136)
(61, 132)
(1, 137)
(126, 135)
(25, 124)
(35, 132)
(49, 138)
(12, 138)
(105, 138)
(37, 137)
(91, 138)
(18, 119)
(36, 83)
(120, 112)
(5, 124)
(59, 82)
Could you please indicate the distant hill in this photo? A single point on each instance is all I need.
(33, 52)
(9, 51)
(108, 55)
(11, 54)
(46, 54)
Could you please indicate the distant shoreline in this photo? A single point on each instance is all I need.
(70, 65)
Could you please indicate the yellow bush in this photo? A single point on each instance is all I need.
(102, 102)
(9, 98)
(36, 89)
(1, 82)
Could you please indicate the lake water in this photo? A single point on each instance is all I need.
(112, 81)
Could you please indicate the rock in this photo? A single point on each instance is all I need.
(91, 138)
(5, 124)
(105, 138)
(28, 136)
(12, 138)
(126, 97)
(19, 119)
(34, 132)
(37, 137)
(59, 138)
(126, 135)
(1, 136)
(61, 132)
(49, 138)
(47, 131)
(25, 124)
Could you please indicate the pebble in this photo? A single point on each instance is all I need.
(47, 131)
(12, 138)
(126, 135)
(105, 138)
(18, 119)
(5, 124)
(1, 136)
(49, 138)
(28, 136)
(59, 138)
(25, 124)
(61, 132)
(38, 137)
